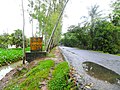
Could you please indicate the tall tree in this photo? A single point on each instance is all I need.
(116, 13)
(46, 12)
(23, 32)
(5, 40)
(94, 16)
(17, 38)
(31, 10)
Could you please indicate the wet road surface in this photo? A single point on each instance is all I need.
(101, 71)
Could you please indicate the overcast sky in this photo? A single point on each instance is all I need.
(78, 8)
(11, 14)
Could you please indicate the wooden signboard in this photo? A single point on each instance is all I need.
(36, 43)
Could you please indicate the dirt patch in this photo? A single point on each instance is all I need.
(9, 76)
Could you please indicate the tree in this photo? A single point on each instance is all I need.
(4, 40)
(94, 16)
(23, 36)
(46, 13)
(96, 34)
(106, 37)
(17, 38)
(115, 18)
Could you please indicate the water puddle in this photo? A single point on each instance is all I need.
(5, 69)
(101, 73)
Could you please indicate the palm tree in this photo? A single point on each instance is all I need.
(94, 16)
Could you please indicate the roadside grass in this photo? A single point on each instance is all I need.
(51, 54)
(10, 55)
(118, 54)
(33, 77)
(60, 78)
(56, 76)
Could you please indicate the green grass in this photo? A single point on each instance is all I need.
(10, 55)
(51, 54)
(118, 54)
(33, 77)
(60, 78)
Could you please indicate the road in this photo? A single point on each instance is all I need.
(100, 71)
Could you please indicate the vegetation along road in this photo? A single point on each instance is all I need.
(97, 70)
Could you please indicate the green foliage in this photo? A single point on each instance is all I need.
(47, 13)
(5, 40)
(60, 77)
(96, 34)
(11, 55)
(13, 39)
(17, 38)
(115, 16)
(33, 77)
(106, 37)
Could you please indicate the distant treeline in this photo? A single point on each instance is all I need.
(105, 37)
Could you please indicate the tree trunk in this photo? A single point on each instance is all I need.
(56, 25)
(23, 33)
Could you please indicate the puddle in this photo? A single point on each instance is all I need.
(5, 69)
(101, 73)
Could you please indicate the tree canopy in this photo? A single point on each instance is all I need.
(12, 39)
(46, 12)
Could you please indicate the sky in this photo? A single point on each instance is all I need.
(78, 8)
(11, 14)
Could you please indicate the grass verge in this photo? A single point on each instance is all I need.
(55, 77)
(33, 77)
(31, 80)
(60, 78)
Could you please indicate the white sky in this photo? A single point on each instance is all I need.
(11, 14)
(78, 8)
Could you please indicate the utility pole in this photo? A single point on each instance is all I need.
(49, 42)
(23, 32)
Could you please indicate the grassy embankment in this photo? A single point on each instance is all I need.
(56, 77)
(11, 55)
(33, 78)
